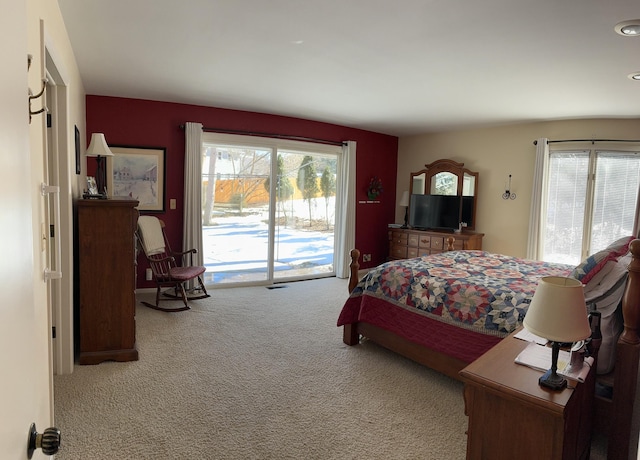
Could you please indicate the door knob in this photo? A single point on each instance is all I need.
(48, 441)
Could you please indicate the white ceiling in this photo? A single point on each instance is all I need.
(400, 67)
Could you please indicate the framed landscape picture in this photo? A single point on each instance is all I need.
(138, 173)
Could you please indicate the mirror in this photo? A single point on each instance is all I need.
(417, 183)
(447, 177)
(444, 183)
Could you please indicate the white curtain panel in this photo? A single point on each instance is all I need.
(192, 223)
(346, 212)
(534, 243)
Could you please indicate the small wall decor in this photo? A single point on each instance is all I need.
(375, 188)
(508, 194)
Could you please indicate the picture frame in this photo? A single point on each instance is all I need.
(92, 187)
(77, 138)
(138, 173)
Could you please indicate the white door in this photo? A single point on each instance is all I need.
(26, 394)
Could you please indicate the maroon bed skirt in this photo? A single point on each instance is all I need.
(461, 343)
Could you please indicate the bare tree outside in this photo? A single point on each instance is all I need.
(245, 170)
(284, 189)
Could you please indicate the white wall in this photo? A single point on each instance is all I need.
(495, 153)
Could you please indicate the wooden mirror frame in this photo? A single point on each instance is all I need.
(448, 166)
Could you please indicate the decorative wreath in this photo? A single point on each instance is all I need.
(375, 188)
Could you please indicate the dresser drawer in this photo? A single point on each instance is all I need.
(408, 243)
(398, 238)
(437, 243)
(398, 251)
(424, 241)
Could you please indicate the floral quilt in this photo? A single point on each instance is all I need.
(485, 292)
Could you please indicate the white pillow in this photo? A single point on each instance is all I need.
(610, 275)
(605, 294)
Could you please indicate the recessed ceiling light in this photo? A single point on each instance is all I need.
(629, 28)
(634, 76)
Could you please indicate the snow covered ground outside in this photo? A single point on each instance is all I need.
(235, 248)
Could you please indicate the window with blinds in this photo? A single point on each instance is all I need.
(590, 201)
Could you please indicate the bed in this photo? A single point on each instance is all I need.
(447, 309)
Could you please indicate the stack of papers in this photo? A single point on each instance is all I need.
(524, 334)
(539, 357)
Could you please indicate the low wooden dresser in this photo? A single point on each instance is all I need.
(406, 243)
(512, 417)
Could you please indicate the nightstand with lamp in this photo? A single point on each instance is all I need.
(515, 411)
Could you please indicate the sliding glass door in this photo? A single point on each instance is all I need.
(268, 209)
(304, 215)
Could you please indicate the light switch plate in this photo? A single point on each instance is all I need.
(172, 203)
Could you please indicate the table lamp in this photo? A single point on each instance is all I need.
(404, 201)
(98, 148)
(558, 313)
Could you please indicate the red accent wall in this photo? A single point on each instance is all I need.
(137, 122)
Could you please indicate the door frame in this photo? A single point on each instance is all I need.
(59, 146)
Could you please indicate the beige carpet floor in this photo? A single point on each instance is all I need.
(257, 373)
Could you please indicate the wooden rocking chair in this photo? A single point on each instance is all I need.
(167, 273)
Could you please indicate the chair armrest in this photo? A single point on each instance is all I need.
(190, 251)
(181, 255)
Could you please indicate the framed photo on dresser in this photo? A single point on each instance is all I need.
(92, 187)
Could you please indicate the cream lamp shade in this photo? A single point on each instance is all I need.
(404, 201)
(558, 311)
(98, 146)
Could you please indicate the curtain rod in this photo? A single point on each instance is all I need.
(593, 141)
(272, 135)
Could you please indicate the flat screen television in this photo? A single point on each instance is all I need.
(435, 212)
(466, 214)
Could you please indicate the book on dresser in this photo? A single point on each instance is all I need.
(405, 243)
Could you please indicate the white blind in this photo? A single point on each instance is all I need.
(615, 195)
(565, 206)
(582, 218)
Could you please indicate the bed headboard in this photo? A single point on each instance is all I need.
(620, 412)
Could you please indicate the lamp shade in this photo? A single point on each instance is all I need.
(404, 201)
(98, 146)
(558, 311)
